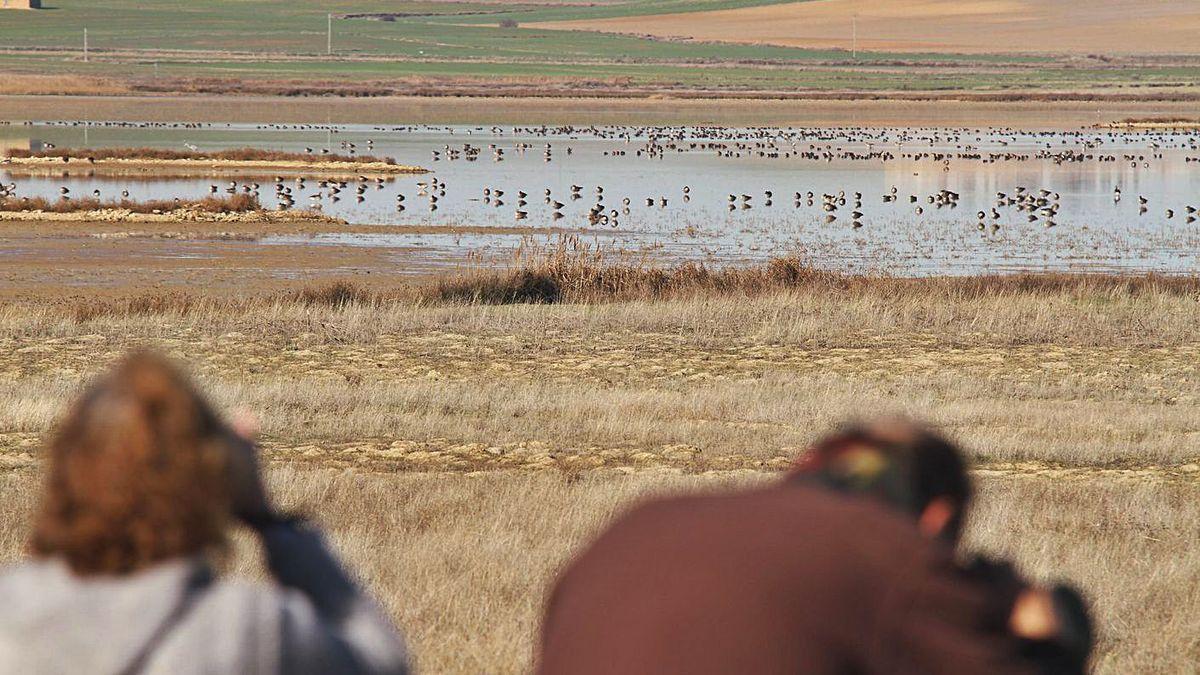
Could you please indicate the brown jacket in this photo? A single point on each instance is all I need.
(788, 579)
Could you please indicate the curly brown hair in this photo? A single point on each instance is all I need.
(137, 473)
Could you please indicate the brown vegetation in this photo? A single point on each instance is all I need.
(16, 84)
(1155, 123)
(784, 302)
(239, 203)
(570, 272)
(620, 89)
(231, 155)
(1159, 120)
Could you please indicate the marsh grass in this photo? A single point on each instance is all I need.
(568, 271)
(569, 286)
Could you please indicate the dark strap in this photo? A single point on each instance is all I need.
(269, 519)
(193, 588)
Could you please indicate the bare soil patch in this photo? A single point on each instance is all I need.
(949, 26)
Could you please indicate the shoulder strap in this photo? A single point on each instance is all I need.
(196, 583)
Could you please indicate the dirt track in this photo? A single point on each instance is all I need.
(952, 26)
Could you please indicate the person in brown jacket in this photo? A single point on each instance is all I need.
(846, 566)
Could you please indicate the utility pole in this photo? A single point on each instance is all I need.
(329, 36)
(85, 49)
(854, 38)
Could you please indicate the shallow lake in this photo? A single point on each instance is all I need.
(665, 193)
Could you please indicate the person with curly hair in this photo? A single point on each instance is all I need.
(143, 481)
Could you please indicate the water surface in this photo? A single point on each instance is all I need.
(689, 174)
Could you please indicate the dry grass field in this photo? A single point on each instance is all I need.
(942, 26)
(462, 560)
(459, 450)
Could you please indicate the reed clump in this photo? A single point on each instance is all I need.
(570, 271)
(335, 294)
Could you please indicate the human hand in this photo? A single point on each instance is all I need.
(1033, 616)
(249, 497)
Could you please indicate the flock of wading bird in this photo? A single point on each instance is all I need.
(849, 144)
(1033, 204)
(1036, 205)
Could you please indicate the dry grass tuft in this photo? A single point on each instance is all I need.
(149, 304)
(332, 294)
(573, 272)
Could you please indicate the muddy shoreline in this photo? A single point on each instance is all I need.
(42, 258)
